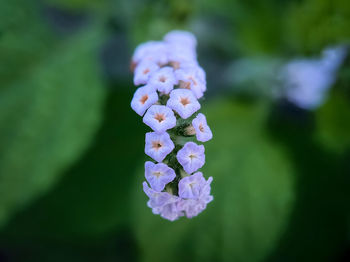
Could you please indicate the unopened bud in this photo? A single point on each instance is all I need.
(190, 131)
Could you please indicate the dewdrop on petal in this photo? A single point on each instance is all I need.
(173, 81)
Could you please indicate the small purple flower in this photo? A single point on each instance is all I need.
(158, 175)
(203, 132)
(143, 70)
(190, 186)
(160, 118)
(151, 51)
(180, 55)
(191, 157)
(163, 80)
(143, 98)
(200, 73)
(158, 146)
(168, 211)
(192, 207)
(157, 199)
(183, 102)
(189, 79)
(181, 37)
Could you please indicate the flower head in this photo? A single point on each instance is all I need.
(169, 69)
(160, 118)
(158, 175)
(143, 98)
(203, 132)
(163, 80)
(191, 157)
(143, 71)
(183, 102)
(158, 146)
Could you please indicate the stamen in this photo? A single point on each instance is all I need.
(156, 145)
(143, 99)
(159, 117)
(185, 85)
(158, 173)
(184, 101)
(162, 79)
(192, 156)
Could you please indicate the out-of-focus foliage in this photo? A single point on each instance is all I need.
(50, 107)
(78, 4)
(70, 141)
(93, 198)
(253, 195)
(314, 24)
(333, 125)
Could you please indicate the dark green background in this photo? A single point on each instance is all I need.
(71, 148)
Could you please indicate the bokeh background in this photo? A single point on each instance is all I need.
(71, 148)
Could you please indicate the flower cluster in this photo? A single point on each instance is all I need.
(171, 82)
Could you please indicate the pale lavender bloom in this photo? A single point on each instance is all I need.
(189, 79)
(181, 37)
(151, 51)
(158, 146)
(181, 55)
(307, 81)
(200, 73)
(181, 47)
(158, 175)
(183, 102)
(190, 186)
(156, 199)
(191, 157)
(203, 132)
(143, 70)
(160, 118)
(169, 210)
(192, 207)
(143, 98)
(163, 80)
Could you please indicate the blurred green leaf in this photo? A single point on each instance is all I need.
(78, 4)
(312, 25)
(48, 115)
(333, 125)
(253, 195)
(24, 39)
(92, 200)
